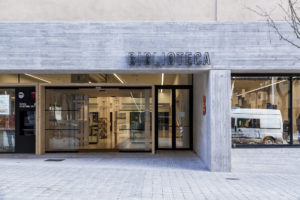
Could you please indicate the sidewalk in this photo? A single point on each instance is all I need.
(257, 174)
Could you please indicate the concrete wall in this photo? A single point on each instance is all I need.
(135, 10)
(201, 136)
(104, 47)
(212, 133)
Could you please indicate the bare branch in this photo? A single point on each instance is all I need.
(281, 37)
(291, 17)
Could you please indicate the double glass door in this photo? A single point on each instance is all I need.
(98, 118)
(173, 117)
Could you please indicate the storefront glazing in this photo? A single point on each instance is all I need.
(98, 118)
(265, 110)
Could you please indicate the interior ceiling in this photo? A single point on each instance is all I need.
(94, 78)
(252, 84)
(148, 78)
(93, 93)
(247, 85)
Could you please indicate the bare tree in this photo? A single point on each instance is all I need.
(291, 17)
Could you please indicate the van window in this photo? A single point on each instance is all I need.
(255, 123)
(248, 123)
(232, 122)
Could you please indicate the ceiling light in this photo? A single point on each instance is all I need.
(115, 75)
(263, 87)
(32, 76)
(162, 80)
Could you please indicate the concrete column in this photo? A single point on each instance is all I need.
(212, 133)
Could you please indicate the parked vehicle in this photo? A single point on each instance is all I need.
(256, 126)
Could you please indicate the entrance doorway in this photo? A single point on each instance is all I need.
(173, 117)
(98, 118)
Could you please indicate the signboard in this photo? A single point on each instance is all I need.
(204, 105)
(4, 104)
(168, 59)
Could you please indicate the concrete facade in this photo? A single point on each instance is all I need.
(212, 133)
(96, 47)
(89, 36)
(104, 47)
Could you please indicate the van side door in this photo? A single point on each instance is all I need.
(247, 131)
(234, 135)
(256, 128)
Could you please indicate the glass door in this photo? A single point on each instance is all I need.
(98, 118)
(164, 116)
(173, 117)
(182, 100)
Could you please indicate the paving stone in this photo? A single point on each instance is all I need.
(257, 174)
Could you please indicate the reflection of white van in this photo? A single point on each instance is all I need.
(256, 126)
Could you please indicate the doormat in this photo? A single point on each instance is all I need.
(233, 179)
(55, 159)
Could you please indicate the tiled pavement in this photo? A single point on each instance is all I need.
(257, 174)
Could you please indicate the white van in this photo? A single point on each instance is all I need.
(256, 126)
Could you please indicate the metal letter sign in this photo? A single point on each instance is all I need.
(132, 59)
(168, 58)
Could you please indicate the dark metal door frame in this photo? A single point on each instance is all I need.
(25, 143)
(174, 88)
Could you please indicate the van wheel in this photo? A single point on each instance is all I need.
(269, 140)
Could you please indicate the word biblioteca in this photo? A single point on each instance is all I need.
(168, 58)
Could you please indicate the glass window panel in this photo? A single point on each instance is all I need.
(134, 120)
(7, 120)
(164, 118)
(91, 119)
(182, 118)
(296, 110)
(260, 105)
(248, 123)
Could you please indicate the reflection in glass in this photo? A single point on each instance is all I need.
(182, 118)
(65, 121)
(260, 110)
(91, 119)
(296, 110)
(7, 120)
(165, 118)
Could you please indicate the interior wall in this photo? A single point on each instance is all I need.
(212, 133)
(182, 79)
(8, 78)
